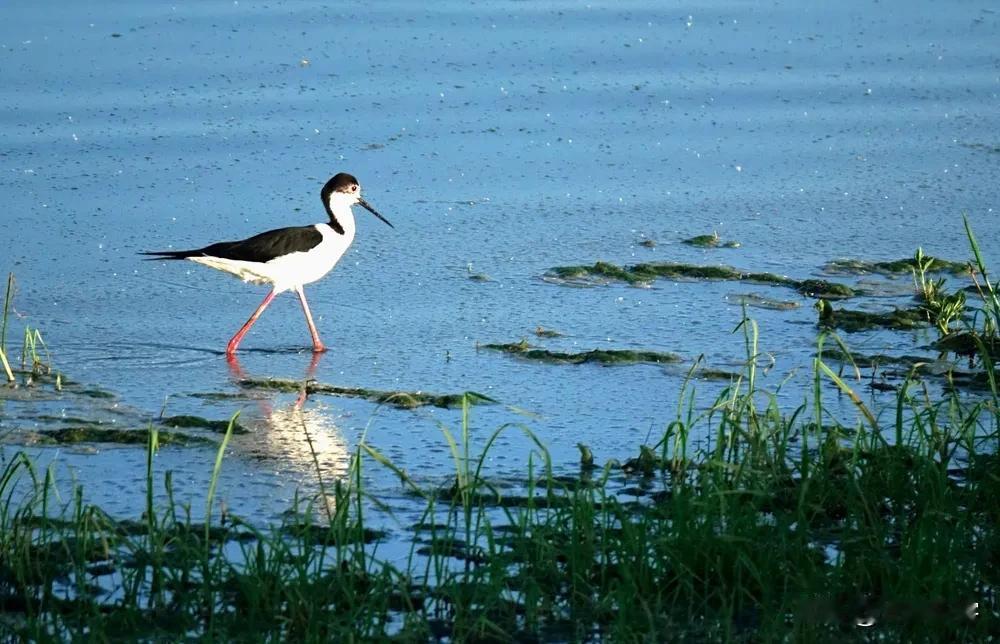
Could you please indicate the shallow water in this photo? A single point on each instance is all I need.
(501, 138)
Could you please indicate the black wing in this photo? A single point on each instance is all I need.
(259, 248)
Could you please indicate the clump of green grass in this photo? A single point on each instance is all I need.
(875, 519)
(35, 359)
(600, 356)
(941, 308)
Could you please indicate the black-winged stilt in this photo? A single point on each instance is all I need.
(287, 258)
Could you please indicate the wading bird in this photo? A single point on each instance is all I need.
(287, 258)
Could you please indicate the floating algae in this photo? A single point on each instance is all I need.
(721, 375)
(601, 356)
(710, 241)
(966, 343)
(399, 399)
(849, 266)
(852, 321)
(646, 272)
(602, 272)
(825, 290)
(542, 332)
(874, 360)
(93, 434)
(187, 421)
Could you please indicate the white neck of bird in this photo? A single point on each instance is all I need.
(341, 211)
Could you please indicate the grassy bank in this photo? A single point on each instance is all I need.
(781, 524)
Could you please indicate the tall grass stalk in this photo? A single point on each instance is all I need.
(216, 470)
(8, 295)
(987, 289)
(6, 366)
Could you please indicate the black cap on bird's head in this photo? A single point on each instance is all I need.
(348, 186)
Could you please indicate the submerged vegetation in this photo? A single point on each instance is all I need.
(602, 272)
(601, 356)
(95, 434)
(399, 399)
(851, 320)
(903, 266)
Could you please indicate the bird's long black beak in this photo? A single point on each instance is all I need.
(364, 204)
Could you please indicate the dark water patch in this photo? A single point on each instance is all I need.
(969, 343)
(647, 243)
(66, 420)
(710, 241)
(982, 147)
(912, 366)
(399, 399)
(93, 392)
(600, 356)
(453, 548)
(848, 266)
(322, 535)
(761, 302)
(877, 359)
(495, 498)
(428, 526)
(721, 375)
(853, 321)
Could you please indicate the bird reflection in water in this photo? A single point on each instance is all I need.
(307, 438)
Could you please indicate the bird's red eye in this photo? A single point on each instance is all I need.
(354, 188)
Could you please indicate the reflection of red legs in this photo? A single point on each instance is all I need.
(317, 343)
(236, 339)
(310, 372)
(235, 369)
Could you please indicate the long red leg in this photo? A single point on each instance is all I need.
(317, 343)
(236, 339)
